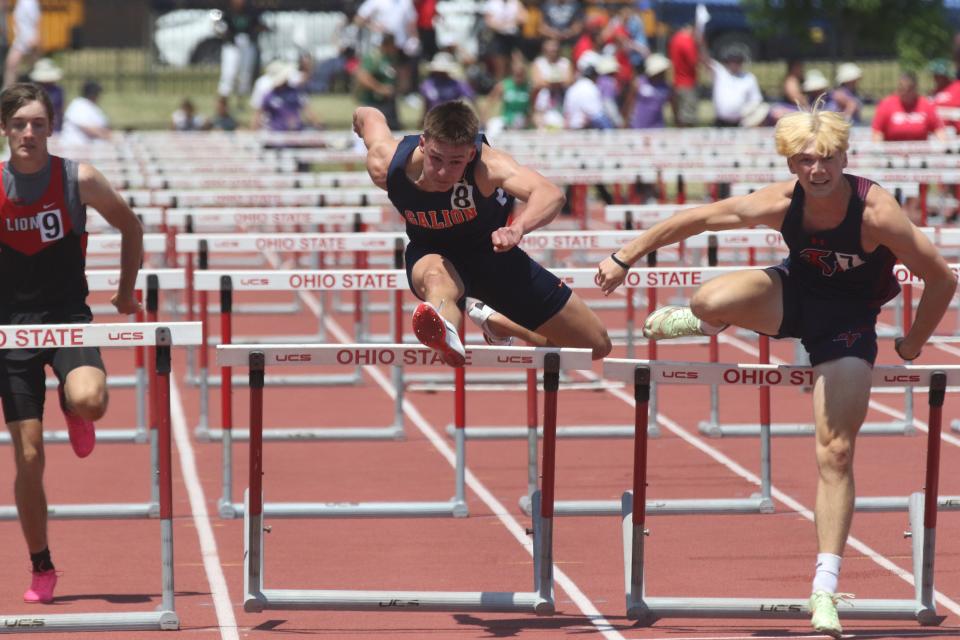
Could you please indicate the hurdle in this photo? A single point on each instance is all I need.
(162, 337)
(151, 280)
(139, 334)
(922, 507)
(257, 598)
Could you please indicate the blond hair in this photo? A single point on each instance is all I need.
(828, 130)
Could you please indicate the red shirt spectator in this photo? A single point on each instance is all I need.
(684, 56)
(905, 115)
(949, 98)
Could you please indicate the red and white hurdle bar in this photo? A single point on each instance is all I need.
(922, 507)
(257, 598)
(161, 336)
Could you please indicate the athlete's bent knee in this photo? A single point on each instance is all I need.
(706, 306)
(602, 346)
(90, 404)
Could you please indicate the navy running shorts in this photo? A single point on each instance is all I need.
(22, 376)
(829, 329)
(511, 282)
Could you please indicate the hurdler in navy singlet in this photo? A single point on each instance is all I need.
(831, 263)
(43, 237)
(459, 218)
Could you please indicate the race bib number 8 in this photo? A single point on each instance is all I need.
(462, 197)
(51, 225)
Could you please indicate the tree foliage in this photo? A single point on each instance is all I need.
(913, 30)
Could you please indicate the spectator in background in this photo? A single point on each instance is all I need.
(503, 18)
(550, 64)
(684, 53)
(590, 39)
(512, 97)
(548, 100)
(376, 80)
(397, 18)
(635, 44)
(607, 68)
(942, 75)
(444, 82)
(562, 20)
(186, 118)
(583, 103)
(84, 122)
(48, 75)
(736, 91)
(530, 40)
(845, 96)
(222, 119)
(285, 108)
(793, 92)
(648, 94)
(906, 115)
(26, 39)
(240, 28)
(426, 12)
(947, 100)
(815, 84)
(264, 85)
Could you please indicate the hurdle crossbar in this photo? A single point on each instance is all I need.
(162, 337)
(922, 506)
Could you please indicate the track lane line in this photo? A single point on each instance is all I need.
(216, 579)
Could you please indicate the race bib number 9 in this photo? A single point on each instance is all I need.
(462, 197)
(51, 225)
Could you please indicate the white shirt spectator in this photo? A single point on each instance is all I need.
(562, 67)
(582, 104)
(733, 95)
(82, 112)
(398, 17)
(504, 15)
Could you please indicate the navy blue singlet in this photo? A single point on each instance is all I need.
(831, 263)
(461, 218)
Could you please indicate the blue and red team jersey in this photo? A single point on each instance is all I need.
(831, 264)
(42, 252)
(461, 218)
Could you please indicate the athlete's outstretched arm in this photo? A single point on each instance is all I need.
(885, 223)
(371, 125)
(97, 192)
(543, 198)
(765, 207)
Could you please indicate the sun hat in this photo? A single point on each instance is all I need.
(45, 70)
(848, 72)
(814, 80)
(655, 63)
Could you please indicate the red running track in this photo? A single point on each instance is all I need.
(114, 566)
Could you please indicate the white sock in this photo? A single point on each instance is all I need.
(708, 329)
(828, 572)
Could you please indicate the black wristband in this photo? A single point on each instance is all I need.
(620, 263)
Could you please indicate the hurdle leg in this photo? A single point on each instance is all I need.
(634, 503)
(253, 600)
(544, 546)
(927, 614)
(526, 501)
(460, 413)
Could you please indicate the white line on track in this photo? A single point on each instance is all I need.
(222, 604)
(579, 598)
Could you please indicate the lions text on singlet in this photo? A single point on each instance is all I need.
(461, 217)
(43, 237)
(831, 263)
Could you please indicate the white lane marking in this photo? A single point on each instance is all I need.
(222, 604)
(579, 598)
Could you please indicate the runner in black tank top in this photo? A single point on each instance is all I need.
(845, 234)
(456, 195)
(43, 241)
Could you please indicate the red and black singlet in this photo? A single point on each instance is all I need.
(42, 252)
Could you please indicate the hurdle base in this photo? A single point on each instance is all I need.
(955, 425)
(451, 508)
(753, 504)
(580, 431)
(901, 503)
(320, 380)
(720, 430)
(204, 434)
(648, 610)
(103, 436)
(132, 621)
(345, 600)
(119, 511)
